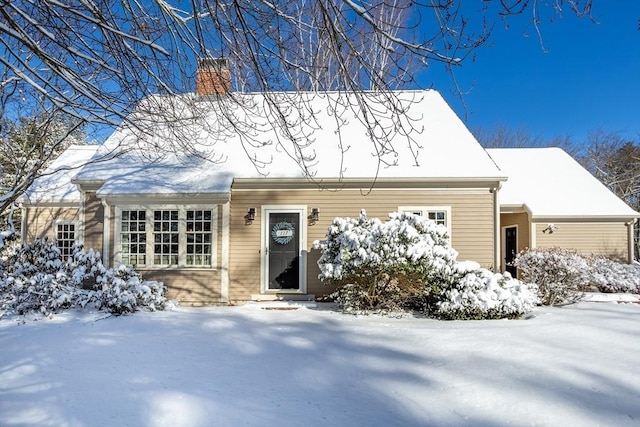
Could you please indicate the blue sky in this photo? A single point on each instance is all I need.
(588, 78)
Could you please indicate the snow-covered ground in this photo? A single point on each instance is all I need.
(577, 365)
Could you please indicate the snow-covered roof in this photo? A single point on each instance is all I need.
(428, 141)
(55, 186)
(134, 173)
(548, 182)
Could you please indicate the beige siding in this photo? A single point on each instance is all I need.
(190, 287)
(93, 222)
(40, 220)
(471, 223)
(603, 238)
(521, 220)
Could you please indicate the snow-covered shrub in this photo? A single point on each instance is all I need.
(84, 266)
(7, 238)
(611, 276)
(123, 291)
(406, 263)
(34, 278)
(478, 293)
(561, 274)
(385, 265)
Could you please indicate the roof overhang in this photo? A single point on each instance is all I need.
(585, 218)
(367, 183)
(166, 198)
(515, 208)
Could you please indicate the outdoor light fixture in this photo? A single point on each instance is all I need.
(251, 214)
(315, 214)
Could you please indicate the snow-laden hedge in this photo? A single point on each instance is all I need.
(35, 278)
(124, 291)
(562, 275)
(385, 265)
(559, 273)
(611, 276)
(407, 263)
(477, 293)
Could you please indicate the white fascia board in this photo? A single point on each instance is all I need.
(155, 199)
(583, 218)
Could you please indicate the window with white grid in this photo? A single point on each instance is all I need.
(133, 237)
(166, 236)
(199, 239)
(439, 214)
(440, 217)
(66, 238)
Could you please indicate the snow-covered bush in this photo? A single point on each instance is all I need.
(7, 237)
(561, 274)
(385, 265)
(478, 293)
(406, 263)
(123, 291)
(85, 266)
(611, 276)
(35, 278)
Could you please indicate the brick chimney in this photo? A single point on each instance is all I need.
(213, 76)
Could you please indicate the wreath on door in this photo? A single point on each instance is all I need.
(282, 232)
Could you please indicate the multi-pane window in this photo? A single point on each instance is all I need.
(440, 217)
(165, 237)
(172, 236)
(66, 238)
(199, 239)
(439, 214)
(133, 237)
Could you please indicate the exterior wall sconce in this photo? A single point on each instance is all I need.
(251, 215)
(315, 214)
(550, 228)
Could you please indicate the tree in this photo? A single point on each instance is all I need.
(503, 136)
(27, 147)
(96, 61)
(615, 161)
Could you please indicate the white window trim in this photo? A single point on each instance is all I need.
(76, 231)
(426, 209)
(302, 236)
(182, 230)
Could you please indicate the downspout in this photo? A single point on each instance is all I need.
(106, 230)
(81, 214)
(532, 235)
(224, 263)
(23, 224)
(496, 228)
(630, 245)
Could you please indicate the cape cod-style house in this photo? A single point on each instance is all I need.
(238, 223)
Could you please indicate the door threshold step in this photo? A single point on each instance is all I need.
(283, 297)
(282, 305)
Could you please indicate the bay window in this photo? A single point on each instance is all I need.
(166, 236)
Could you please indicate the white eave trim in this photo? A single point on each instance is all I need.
(163, 198)
(51, 204)
(381, 182)
(515, 208)
(584, 218)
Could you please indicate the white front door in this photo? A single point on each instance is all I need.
(282, 261)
